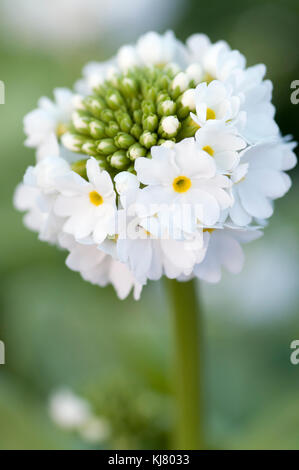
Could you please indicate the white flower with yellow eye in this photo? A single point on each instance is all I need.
(46, 124)
(214, 101)
(183, 176)
(221, 142)
(263, 180)
(88, 206)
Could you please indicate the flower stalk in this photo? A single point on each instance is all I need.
(188, 363)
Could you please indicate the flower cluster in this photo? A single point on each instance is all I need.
(162, 161)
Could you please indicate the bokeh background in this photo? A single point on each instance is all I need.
(62, 332)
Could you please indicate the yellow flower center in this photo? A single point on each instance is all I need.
(210, 230)
(208, 78)
(181, 184)
(209, 150)
(211, 114)
(61, 129)
(95, 198)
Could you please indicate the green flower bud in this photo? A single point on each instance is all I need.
(112, 129)
(164, 82)
(90, 147)
(136, 131)
(162, 96)
(188, 129)
(138, 116)
(151, 94)
(95, 105)
(72, 141)
(97, 129)
(124, 140)
(150, 122)
(125, 122)
(135, 151)
(119, 160)
(81, 122)
(129, 87)
(106, 146)
(114, 99)
(107, 115)
(148, 107)
(135, 104)
(166, 108)
(148, 139)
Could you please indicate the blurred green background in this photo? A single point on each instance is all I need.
(62, 332)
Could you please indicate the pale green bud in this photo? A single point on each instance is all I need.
(188, 128)
(81, 122)
(73, 142)
(150, 122)
(148, 107)
(119, 160)
(166, 108)
(135, 151)
(107, 115)
(136, 131)
(148, 139)
(90, 147)
(138, 116)
(129, 87)
(114, 99)
(124, 140)
(106, 146)
(95, 105)
(97, 129)
(112, 129)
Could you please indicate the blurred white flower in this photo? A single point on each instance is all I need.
(46, 124)
(73, 413)
(68, 410)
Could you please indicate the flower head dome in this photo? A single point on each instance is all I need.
(163, 161)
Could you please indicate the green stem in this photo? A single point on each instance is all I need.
(187, 368)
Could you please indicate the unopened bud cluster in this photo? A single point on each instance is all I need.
(129, 114)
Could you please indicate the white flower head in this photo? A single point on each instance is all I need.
(163, 162)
